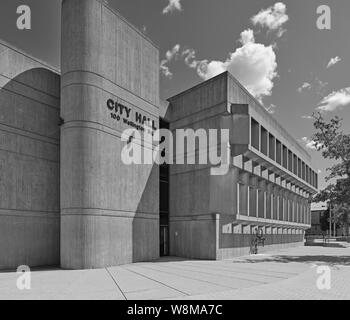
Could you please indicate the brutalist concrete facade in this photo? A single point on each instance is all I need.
(29, 160)
(67, 199)
(268, 185)
(109, 210)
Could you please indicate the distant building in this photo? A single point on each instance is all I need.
(317, 212)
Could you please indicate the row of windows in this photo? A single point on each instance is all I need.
(267, 144)
(257, 203)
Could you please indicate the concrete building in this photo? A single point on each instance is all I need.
(268, 185)
(318, 210)
(67, 199)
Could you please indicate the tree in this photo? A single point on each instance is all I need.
(334, 145)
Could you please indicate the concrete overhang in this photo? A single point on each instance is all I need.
(263, 160)
(255, 221)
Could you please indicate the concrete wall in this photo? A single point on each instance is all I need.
(29, 161)
(109, 210)
(213, 216)
(195, 195)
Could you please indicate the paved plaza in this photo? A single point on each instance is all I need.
(283, 274)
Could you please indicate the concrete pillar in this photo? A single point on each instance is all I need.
(243, 193)
(269, 205)
(253, 197)
(109, 210)
(261, 199)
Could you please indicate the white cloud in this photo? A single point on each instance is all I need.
(317, 86)
(335, 100)
(272, 18)
(307, 117)
(169, 56)
(253, 64)
(333, 61)
(271, 109)
(309, 144)
(247, 36)
(305, 85)
(190, 58)
(172, 6)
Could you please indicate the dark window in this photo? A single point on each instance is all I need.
(254, 133)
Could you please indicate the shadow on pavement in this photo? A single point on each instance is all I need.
(330, 260)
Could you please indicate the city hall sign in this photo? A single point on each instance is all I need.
(135, 119)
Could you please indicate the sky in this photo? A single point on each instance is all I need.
(274, 48)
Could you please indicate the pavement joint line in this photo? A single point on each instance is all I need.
(245, 268)
(121, 291)
(240, 270)
(211, 274)
(149, 278)
(141, 290)
(213, 283)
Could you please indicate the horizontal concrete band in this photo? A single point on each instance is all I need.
(29, 134)
(30, 156)
(30, 213)
(218, 109)
(229, 253)
(109, 213)
(193, 217)
(263, 221)
(263, 159)
(82, 124)
(88, 78)
(245, 240)
(29, 92)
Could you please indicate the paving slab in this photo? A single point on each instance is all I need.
(283, 274)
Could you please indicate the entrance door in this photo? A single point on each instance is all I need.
(164, 204)
(164, 241)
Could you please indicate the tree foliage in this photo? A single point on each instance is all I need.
(334, 145)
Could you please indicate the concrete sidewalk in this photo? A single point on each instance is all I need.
(284, 274)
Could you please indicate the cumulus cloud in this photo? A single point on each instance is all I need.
(310, 144)
(335, 100)
(253, 64)
(305, 85)
(189, 56)
(174, 5)
(333, 61)
(169, 56)
(272, 18)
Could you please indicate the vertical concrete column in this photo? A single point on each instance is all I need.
(109, 209)
(243, 193)
(253, 197)
(269, 205)
(261, 199)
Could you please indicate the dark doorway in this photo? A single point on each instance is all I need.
(164, 204)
